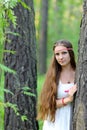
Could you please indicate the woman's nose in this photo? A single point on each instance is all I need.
(60, 56)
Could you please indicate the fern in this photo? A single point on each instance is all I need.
(9, 3)
(9, 51)
(26, 91)
(24, 5)
(6, 69)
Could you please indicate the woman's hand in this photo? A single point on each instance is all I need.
(67, 99)
(71, 92)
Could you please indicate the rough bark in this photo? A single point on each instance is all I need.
(80, 108)
(43, 37)
(24, 62)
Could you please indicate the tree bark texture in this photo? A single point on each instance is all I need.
(43, 37)
(24, 63)
(80, 108)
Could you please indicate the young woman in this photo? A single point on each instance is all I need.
(55, 104)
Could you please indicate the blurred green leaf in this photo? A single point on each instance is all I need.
(6, 69)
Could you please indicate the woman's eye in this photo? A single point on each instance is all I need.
(64, 52)
(56, 54)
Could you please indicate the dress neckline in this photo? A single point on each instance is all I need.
(64, 83)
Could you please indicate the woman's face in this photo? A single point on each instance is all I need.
(62, 55)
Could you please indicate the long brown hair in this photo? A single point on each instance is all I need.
(47, 99)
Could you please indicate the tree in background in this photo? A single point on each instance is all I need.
(43, 36)
(23, 84)
(58, 19)
(80, 109)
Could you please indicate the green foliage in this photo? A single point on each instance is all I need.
(1, 101)
(13, 33)
(6, 69)
(64, 25)
(40, 82)
(24, 5)
(24, 118)
(11, 16)
(6, 91)
(9, 3)
(15, 109)
(8, 51)
(6, 16)
(7, 13)
(25, 90)
(13, 106)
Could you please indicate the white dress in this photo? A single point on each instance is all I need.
(63, 115)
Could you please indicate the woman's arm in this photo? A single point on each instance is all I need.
(64, 101)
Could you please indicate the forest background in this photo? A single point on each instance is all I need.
(64, 18)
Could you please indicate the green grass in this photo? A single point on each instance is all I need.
(40, 82)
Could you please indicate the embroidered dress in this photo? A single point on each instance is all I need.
(63, 115)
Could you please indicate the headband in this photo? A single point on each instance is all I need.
(66, 49)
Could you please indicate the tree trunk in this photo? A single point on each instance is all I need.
(24, 62)
(43, 37)
(80, 109)
(59, 11)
